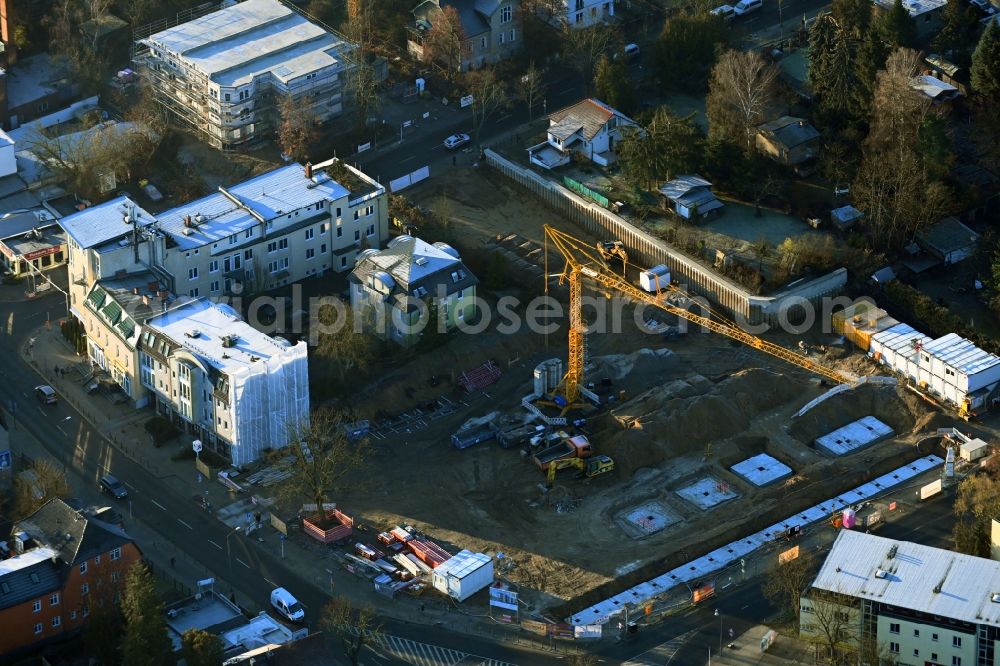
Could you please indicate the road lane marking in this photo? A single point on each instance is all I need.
(59, 428)
(42, 411)
(215, 544)
(184, 524)
(243, 563)
(159, 505)
(272, 582)
(411, 157)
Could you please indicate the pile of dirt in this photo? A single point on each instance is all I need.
(664, 427)
(642, 367)
(893, 405)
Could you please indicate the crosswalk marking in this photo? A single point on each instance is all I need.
(662, 654)
(422, 654)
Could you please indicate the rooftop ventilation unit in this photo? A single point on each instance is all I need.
(892, 551)
(995, 597)
(880, 573)
(420, 261)
(193, 333)
(229, 340)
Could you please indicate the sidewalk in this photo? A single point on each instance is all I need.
(123, 426)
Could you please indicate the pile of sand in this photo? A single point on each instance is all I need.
(678, 419)
(893, 405)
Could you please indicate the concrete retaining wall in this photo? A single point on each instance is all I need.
(650, 251)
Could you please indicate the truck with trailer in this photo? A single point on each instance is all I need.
(577, 446)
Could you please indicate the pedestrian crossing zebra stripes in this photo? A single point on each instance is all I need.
(422, 654)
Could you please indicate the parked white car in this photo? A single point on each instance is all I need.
(456, 140)
(744, 7)
(725, 11)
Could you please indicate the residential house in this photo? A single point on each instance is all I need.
(225, 74)
(491, 29)
(398, 289)
(60, 565)
(788, 140)
(934, 88)
(917, 604)
(947, 71)
(585, 13)
(926, 14)
(949, 240)
(34, 87)
(690, 197)
(590, 128)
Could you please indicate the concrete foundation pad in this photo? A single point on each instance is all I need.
(854, 436)
(762, 469)
(646, 519)
(707, 492)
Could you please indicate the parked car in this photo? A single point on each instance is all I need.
(631, 50)
(46, 394)
(287, 605)
(113, 487)
(744, 7)
(727, 12)
(456, 140)
(984, 6)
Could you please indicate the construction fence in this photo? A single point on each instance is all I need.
(650, 251)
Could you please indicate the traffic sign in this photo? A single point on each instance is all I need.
(196, 445)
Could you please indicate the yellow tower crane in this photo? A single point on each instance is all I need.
(582, 261)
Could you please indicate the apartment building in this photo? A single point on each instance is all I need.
(491, 29)
(585, 13)
(224, 74)
(58, 566)
(408, 281)
(915, 604)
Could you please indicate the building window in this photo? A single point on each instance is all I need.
(579, 17)
(234, 239)
(322, 248)
(579, 5)
(114, 576)
(193, 273)
(340, 231)
(116, 554)
(309, 234)
(357, 234)
(370, 231)
(38, 628)
(213, 266)
(506, 14)
(501, 38)
(228, 97)
(934, 637)
(214, 287)
(894, 628)
(310, 253)
(482, 43)
(323, 227)
(37, 606)
(956, 641)
(72, 615)
(248, 233)
(511, 35)
(272, 247)
(56, 621)
(894, 648)
(343, 262)
(956, 661)
(916, 652)
(248, 254)
(85, 589)
(193, 293)
(54, 599)
(916, 633)
(83, 568)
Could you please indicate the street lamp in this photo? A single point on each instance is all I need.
(229, 554)
(719, 615)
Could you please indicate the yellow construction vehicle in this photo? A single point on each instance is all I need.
(588, 467)
(582, 262)
(612, 250)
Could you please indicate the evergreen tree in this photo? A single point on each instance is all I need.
(688, 47)
(853, 16)
(959, 24)
(833, 75)
(871, 57)
(669, 145)
(145, 642)
(985, 69)
(200, 648)
(613, 84)
(897, 27)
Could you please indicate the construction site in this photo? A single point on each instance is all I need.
(595, 461)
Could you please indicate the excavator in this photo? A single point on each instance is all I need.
(583, 262)
(610, 250)
(588, 467)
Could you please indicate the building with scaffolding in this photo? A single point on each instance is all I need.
(226, 73)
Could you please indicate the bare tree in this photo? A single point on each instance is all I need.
(787, 582)
(322, 457)
(347, 349)
(742, 91)
(75, 31)
(35, 486)
(489, 95)
(445, 41)
(354, 626)
(531, 89)
(296, 129)
(831, 622)
(365, 90)
(585, 46)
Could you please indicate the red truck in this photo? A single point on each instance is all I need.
(574, 447)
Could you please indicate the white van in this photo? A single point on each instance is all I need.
(287, 605)
(744, 7)
(725, 11)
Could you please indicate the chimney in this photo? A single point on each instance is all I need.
(187, 221)
(135, 291)
(309, 170)
(802, 123)
(162, 294)
(20, 541)
(145, 299)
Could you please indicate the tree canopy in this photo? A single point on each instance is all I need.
(687, 49)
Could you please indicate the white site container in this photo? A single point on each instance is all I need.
(974, 450)
(657, 277)
(463, 575)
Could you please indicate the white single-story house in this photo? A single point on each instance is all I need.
(690, 197)
(590, 127)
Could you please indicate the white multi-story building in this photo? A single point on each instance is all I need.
(225, 74)
(585, 13)
(912, 603)
(128, 268)
(239, 390)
